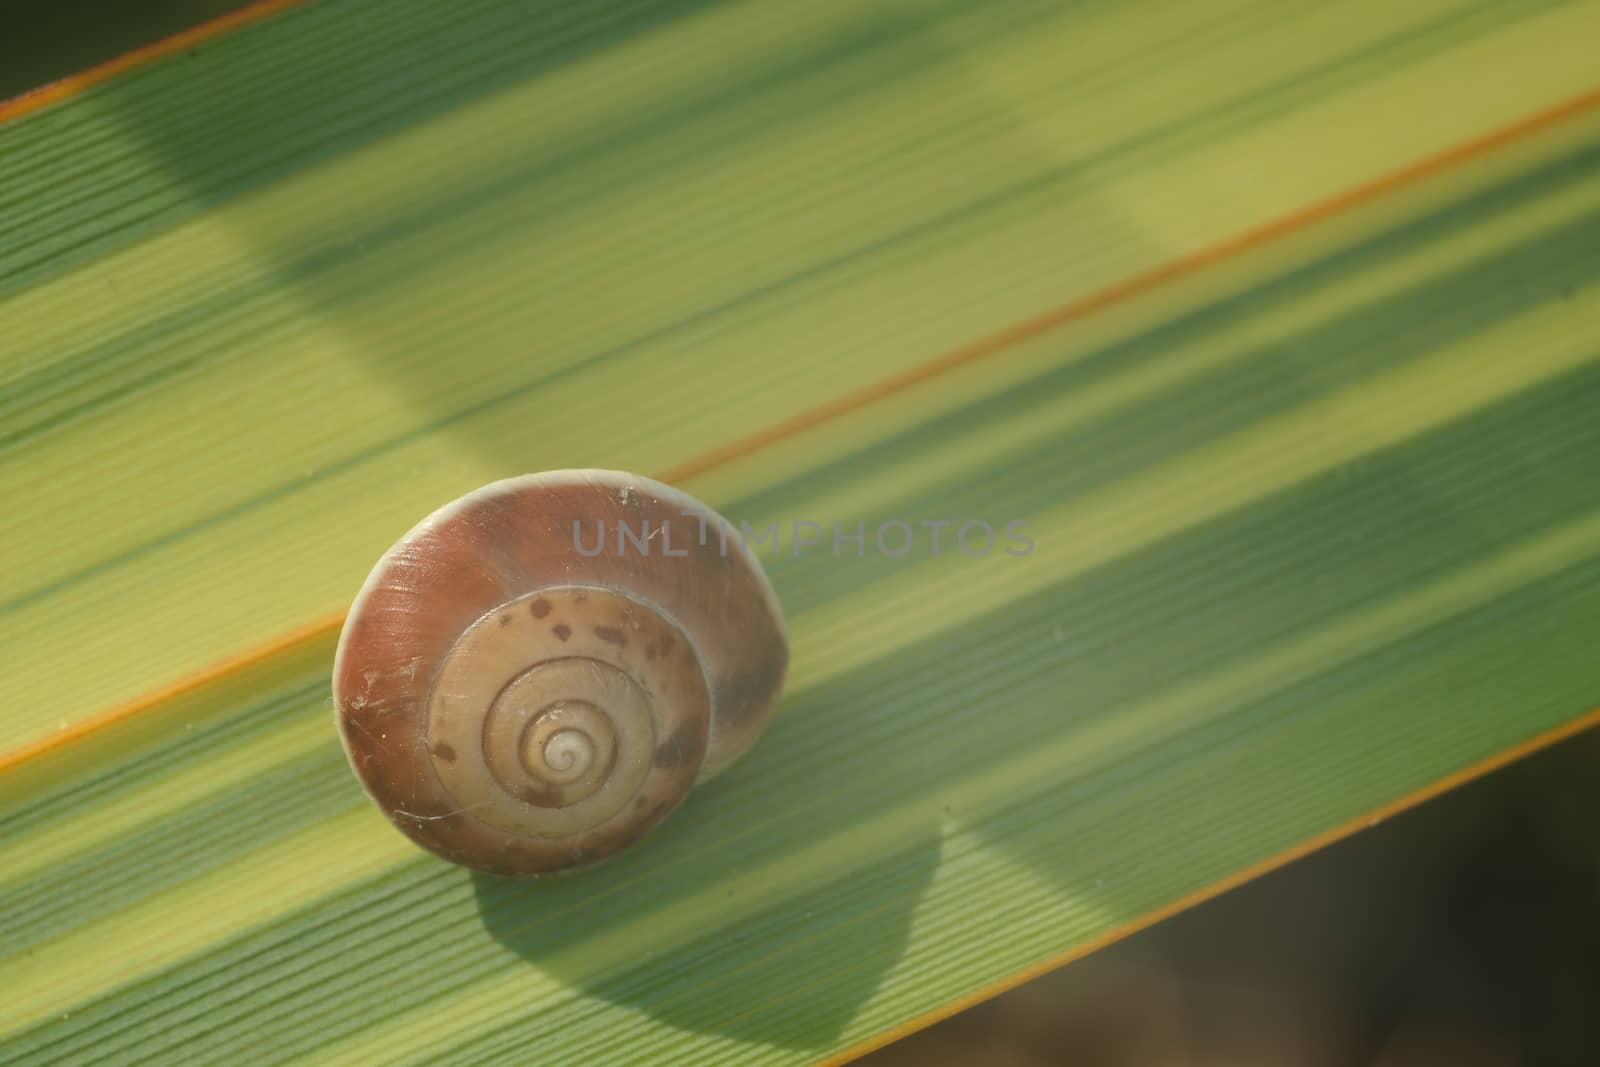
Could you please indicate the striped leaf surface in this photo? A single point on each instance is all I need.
(1274, 326)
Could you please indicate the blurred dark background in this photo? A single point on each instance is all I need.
(1463, 933)
(42, 42)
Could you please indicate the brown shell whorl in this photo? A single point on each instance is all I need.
(519, 706)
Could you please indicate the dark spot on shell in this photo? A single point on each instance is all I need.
(579, 598)
(540, 608)
(444, 752)
(650, 650)
(683, 747)
(611, 634)
(639, 803)
(505, 620)
(541, 796)
(563, 631)
(666, 645)
(748, 692)
(713, 550)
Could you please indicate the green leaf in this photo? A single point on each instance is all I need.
(1302, 430)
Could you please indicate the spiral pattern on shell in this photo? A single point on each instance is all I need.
(520, 706)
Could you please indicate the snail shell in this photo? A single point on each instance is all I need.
(536, 674)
